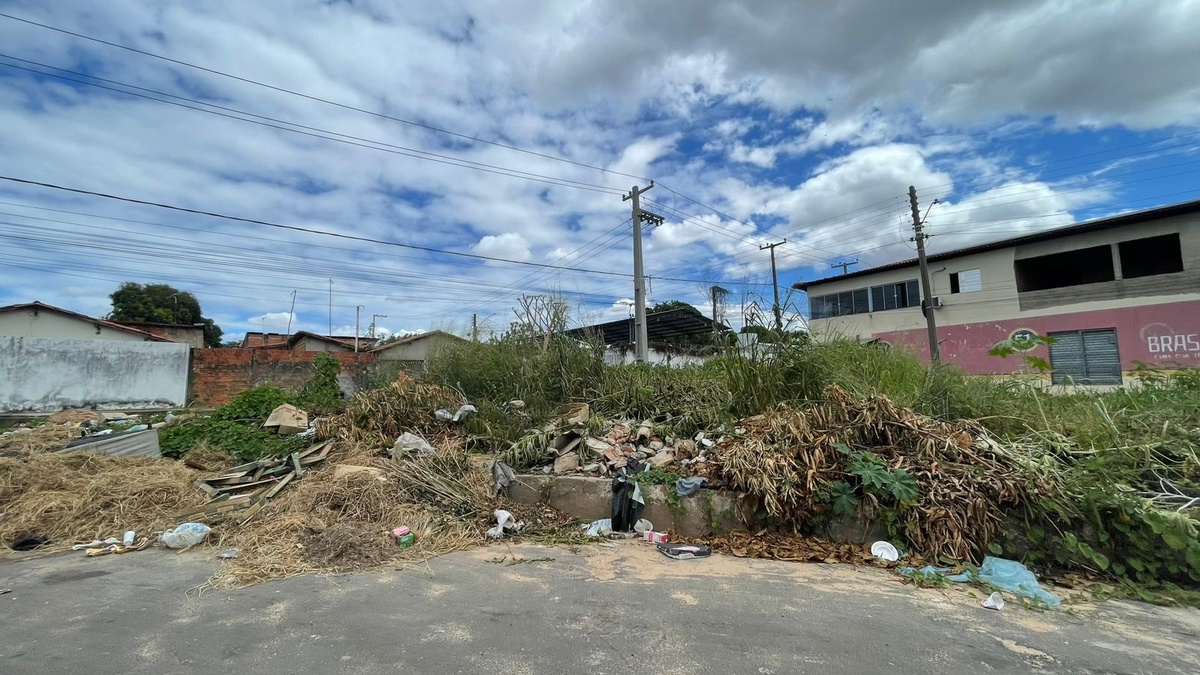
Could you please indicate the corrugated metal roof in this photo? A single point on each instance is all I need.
(668, 326)
(1134, 218)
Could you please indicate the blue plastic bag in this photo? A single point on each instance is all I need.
(1012, 576)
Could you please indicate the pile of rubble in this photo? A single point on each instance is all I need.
(573, 446)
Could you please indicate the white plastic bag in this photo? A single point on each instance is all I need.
(505, 522)
(186, 535)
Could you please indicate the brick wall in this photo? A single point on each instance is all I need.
(217, 375)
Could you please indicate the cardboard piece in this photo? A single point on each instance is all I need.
(289, 419)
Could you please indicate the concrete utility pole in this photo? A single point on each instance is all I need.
(844, 265)
(356, 330)
(718, 298)
(775, 283)
(331, 307)
(474, 328)
(291, 313)
(641, 341)
(927, 302)
(373, 326)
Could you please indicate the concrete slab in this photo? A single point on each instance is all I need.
(698, 515)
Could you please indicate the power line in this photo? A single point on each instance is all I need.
(296, 228)
(314, 132)
(319, 99)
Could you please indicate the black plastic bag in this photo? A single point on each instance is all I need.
(626, 511)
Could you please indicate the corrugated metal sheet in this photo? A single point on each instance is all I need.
(1085, 357)
(1103, 360)
(128, 444)
(1066, 356)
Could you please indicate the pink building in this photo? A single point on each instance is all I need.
(1113, 293)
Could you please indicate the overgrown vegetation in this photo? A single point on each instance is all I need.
(1116, 472)
(236, 427)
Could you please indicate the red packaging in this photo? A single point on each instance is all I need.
(656, 537)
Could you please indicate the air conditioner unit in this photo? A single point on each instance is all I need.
(937, 302)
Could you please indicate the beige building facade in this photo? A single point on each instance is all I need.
(1124, 290)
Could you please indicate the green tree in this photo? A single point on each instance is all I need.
(161, 303)
(668, 305)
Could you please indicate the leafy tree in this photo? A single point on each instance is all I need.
(668, 305)
(161, 303)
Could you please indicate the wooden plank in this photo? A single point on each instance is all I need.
(317, 457)
(279, 486)
(319, 447)
(252, 511)
(240, 489)
(228, 480)
(215, 507)
(208, 489)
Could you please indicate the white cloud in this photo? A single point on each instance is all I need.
(799, 122)
(510, 246)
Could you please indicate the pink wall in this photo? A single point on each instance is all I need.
(1167, 335)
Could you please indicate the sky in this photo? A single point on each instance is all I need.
(406, 143)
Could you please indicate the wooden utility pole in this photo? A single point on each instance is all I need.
(775, 284)
(927, 301)
(474, 328)
(641, 343)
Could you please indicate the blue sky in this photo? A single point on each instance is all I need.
(758, 121)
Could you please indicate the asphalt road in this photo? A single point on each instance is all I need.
(603, 610)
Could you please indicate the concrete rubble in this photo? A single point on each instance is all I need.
(576, 447)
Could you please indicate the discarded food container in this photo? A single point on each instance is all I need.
(885, 551)
(656, 537)
(994, 601)
(404, 537)
(128, 538)
(684, 551)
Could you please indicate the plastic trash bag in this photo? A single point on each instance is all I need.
(505, 522)
(599, 528)
(410, 442)
(1012, 576)
(186, 535)
(627, 500)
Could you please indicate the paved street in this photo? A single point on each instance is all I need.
(606, 610)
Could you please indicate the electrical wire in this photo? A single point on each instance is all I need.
(319, 99)
(296, 228)
(315, 132)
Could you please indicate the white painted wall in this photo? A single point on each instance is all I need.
(614, 356)
(50, 324)
(44, 375)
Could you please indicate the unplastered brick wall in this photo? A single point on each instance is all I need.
(217, 375)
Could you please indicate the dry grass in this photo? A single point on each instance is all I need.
(53, 434)
(965, 484)
(379, 416)
(77, 496)
(320, 524)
